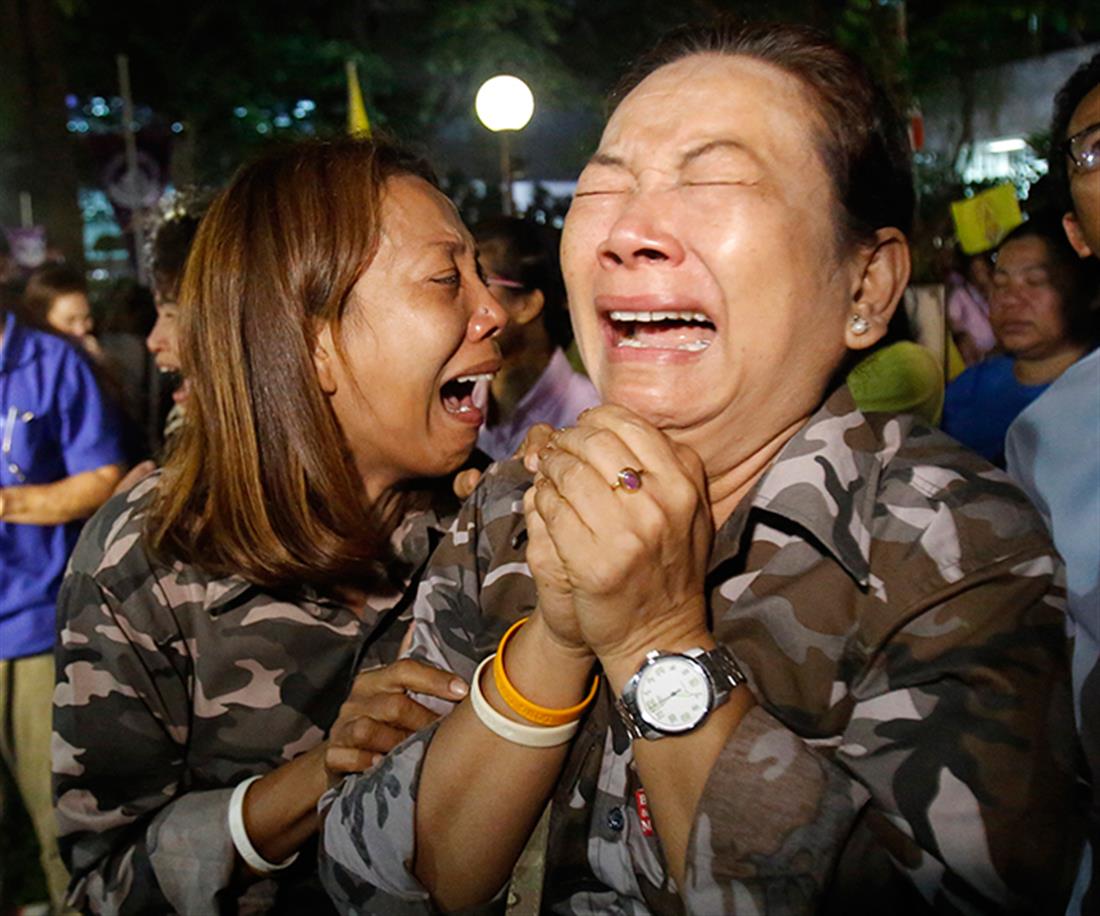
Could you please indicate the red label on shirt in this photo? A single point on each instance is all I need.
(642, 804)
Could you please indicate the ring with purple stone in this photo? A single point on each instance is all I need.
(629, 479)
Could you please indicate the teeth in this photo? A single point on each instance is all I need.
(659, 316)
(633, 343)
(484, 377)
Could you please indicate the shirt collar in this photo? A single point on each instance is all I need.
(826, 480)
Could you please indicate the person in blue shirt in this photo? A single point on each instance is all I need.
(1042, 321)
(1053, 447)
(60, 458)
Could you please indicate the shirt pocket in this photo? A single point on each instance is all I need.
(28, 449)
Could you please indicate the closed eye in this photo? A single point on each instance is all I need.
(717, 183)
(451, 278)
(598, 192)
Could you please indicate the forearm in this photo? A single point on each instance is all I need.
(280, 810)
(63, 501)
(675, 769)
(480, 796)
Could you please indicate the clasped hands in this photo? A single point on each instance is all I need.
(619, 571)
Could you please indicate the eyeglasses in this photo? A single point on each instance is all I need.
(492, 280)
(1084, 148)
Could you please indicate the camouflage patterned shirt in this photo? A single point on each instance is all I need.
(173, 686)
(897, 608)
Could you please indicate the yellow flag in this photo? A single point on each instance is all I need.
(984, 219)
(358, 123)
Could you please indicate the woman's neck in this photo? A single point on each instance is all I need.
(1045, 369)
(728, 486)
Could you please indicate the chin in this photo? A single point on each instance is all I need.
(659, 405)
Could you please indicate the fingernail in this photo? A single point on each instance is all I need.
(375, 760)
(459, 688)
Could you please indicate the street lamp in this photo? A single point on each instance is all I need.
(504, 104)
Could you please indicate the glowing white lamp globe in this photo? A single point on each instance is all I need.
(504, 103)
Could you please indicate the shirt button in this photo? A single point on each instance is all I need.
(615, 819)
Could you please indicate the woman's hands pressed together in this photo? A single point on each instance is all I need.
(619, 570)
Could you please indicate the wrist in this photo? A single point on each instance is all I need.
(676, 633)
(559, 648)
(542, 669)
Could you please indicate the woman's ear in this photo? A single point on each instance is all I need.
(530, 306)
(879, 289)
(1076, 236)
(324, 357)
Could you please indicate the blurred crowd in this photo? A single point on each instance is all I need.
(323, 368)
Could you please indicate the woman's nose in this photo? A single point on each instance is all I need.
(641, 237)
(488, 317)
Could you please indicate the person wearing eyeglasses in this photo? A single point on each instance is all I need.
(536, 383)
(61, 454)
(1053, 447)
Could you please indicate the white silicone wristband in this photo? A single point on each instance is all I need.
(516, 732)
(239, 835)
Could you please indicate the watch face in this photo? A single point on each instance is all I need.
(673, 694)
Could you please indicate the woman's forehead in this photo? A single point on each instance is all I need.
(712, 94)
(416, 212)
(714, 87)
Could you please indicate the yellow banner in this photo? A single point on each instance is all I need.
(983, 220)
(358, 123)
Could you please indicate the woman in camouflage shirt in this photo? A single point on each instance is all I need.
(858, 701)
(335, 326)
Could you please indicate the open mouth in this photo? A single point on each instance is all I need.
(683, 331)
(175, 382)
(467, 396)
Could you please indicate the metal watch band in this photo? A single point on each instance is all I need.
(720, 668)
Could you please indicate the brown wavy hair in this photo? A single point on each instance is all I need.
(262, 483)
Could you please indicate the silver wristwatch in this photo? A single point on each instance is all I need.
(672, 693)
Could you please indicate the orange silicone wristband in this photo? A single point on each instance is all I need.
(519, 704)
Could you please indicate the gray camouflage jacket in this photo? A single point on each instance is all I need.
(173, 686)
(896, 605)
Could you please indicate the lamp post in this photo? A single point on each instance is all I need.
(504, 104)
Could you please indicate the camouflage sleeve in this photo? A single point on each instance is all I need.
(134, 838)
(368, 837)
(950, 759)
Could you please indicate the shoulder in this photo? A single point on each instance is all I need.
(944, 516)
(112, 539)
(499, 494)
(484, 534)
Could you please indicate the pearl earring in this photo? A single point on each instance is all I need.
(859, 325)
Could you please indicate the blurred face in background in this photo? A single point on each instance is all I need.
(1027, 310)
(163, 343)
(71, 314)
